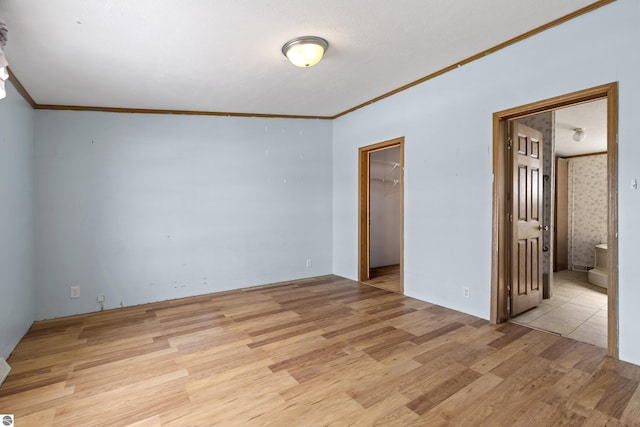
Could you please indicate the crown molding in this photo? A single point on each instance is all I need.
(177, 112)
(21, 90)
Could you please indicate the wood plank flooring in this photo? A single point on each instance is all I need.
(387, 278)
(322, 351)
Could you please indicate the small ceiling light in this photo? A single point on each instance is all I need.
(305, 51)
(4, 70)
(579, 135)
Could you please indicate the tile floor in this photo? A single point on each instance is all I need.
(577, 310)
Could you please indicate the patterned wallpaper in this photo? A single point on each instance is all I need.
(587, 208)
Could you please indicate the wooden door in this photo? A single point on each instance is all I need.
(526, 218)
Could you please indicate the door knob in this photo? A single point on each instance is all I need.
(543, 227)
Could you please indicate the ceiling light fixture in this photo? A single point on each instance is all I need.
(4, 71)
(305, 51)
(579, 135)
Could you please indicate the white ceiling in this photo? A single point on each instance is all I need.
(592, 117)
(224, 56)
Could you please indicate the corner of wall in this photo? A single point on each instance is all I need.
(17, 305)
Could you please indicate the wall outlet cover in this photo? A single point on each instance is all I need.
(74, 292)
(4, 370)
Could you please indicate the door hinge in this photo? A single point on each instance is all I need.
(508, 302)
(509, 142)
(510, 218)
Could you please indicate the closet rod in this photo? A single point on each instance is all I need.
(392, 181)
(386, 163)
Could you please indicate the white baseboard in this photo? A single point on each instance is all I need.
(4, 370)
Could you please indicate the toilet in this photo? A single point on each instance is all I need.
(598, 275)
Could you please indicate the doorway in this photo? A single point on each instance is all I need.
(381, 214)
(574, 213)
(504, 259)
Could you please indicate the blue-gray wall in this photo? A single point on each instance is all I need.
(17, 304)
(142, 208)
(447, 125)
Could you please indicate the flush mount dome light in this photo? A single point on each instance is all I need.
(305, 51)
(4, 70)
(579, 135)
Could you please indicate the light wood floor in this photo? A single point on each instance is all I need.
(387, 278)
(324, 351)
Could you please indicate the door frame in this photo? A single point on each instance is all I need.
(499, 243)
(364, 214)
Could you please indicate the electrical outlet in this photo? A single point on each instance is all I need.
(74, 291)
(465, 292)
(308, 262)
(100, 298)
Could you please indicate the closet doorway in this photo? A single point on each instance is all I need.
(381, 213)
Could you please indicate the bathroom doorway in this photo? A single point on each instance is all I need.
(381, 215)
(502, 260)
(575, 206)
